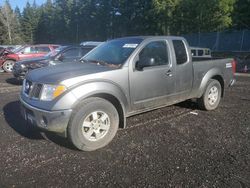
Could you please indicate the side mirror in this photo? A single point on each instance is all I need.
(144, 62)
(59, 57)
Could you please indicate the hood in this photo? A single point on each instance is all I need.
(56, 74)
(32, 60)
(12, 56)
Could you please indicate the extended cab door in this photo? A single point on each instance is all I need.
(184, 69)
(152, 77)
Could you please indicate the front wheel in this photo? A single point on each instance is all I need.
(93, 125)
(211, 97)
(8, 65)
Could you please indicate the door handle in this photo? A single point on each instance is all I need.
(169, 73)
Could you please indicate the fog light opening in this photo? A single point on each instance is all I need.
(44, 121)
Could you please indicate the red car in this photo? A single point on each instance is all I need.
(8, 60)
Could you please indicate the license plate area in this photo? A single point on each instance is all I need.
(30, 118)
(28, 115)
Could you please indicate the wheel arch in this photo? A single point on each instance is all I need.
(215, 74)
(220, 79)
(10, 59)
(108, 91)
(117, 104)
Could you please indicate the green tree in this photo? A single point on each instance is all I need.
(10, 32)
(45, 30)
(163, 11)
(29, 21)
(202, 16)
(241, 15)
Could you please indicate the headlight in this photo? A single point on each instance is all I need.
(49, 92)
(22, 66)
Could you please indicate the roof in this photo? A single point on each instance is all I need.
(150, 37)
(90, 43)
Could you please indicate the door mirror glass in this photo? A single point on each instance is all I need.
(145, 62)
(59, 57)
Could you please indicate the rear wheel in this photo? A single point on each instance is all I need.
(93, 125)
(211, 97)
(8, 65)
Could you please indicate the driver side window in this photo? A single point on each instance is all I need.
(28, 50)
(71, 53)
(154, 54)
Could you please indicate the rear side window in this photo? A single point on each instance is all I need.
(42, 49)
(207, 52)
(180, 51)
(193, 52)
(200, 53)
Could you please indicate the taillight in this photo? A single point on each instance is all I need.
(234, 66)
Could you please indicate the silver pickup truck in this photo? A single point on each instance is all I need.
(88, 101)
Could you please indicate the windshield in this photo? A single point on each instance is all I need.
(18, 49)
(55, 51)
(114, 52)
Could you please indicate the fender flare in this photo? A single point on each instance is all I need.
(96, 89)
(212, 73)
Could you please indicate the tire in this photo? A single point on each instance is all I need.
(88, 118)
(8, 65)
(210, 99)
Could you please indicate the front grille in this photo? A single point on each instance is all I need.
(36, 91)
(32, 90)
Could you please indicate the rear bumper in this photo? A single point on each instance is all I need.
(54, 121)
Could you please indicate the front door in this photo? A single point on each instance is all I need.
(152, 77)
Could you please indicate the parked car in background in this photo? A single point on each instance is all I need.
(200, 52)
(243, 64)
(63, 54)
(87, 102)
(26, 52)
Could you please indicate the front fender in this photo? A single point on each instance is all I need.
(210, 74)
(81, 92)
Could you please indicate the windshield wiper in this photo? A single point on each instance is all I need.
(104, 63)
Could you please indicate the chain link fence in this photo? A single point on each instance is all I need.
(226, 41)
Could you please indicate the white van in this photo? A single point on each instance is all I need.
(201, 52)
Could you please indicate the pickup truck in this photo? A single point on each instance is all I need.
(87, 102)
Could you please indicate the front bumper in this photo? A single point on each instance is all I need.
(18, 72)
(54, 121)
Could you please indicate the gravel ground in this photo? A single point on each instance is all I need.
(176, 146)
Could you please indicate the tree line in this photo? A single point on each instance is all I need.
(72, 21)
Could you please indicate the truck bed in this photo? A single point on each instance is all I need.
(206, 68)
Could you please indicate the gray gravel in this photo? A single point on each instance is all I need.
(176, 146)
